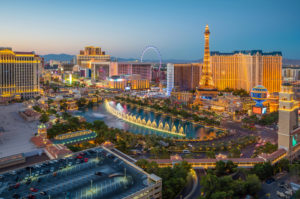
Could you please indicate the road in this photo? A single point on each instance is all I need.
(264, 132)
(273, 188)
(196, 191)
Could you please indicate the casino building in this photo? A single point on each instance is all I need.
(91, 53)
(246, 69)
(186, 76)
(19, 74)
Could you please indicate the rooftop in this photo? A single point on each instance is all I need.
(247, 52)
(94, 173)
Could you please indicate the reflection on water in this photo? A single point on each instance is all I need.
(100, 113)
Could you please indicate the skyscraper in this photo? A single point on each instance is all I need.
(170, 78)
(186, 76)
(247, 69)
(288, 127)
(19, 74)
(91, 53)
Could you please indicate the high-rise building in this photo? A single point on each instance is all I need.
(170, 78)
(89, 54)
(134, 68)
(186, 76)
(128, 82)
(247, 69)
(291, 73)
(288, 128)
(19, 74)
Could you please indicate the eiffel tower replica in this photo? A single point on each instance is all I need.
(206, 89)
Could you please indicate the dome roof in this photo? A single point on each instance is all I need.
(259, 88)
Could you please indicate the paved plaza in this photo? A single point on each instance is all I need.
(17, 132)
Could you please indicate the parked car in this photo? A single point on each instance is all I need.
(33, 189)
(17, 185)
(270, 180)
(98, 173)
(31, 196)
(43, 193)
(16, 196)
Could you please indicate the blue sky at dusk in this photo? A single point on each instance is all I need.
(124, 27)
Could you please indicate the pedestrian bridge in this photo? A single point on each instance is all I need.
(211, 163)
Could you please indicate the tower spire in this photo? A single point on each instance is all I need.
(206, 81)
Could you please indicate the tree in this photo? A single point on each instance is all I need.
(81, 102)
(66, 115)
(63, 106)
(50, 101)
(220, 168)
(297, 194)
(37, 108)
(252, 184)
(263, 171)
(210, 184)
(282, 165)
(210, 154)
(173, 179)
(234, 152)
(44, 118)
(295, 169)
(219, 195)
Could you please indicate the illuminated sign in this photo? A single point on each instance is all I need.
(259, 110)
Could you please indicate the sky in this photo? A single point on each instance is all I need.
(123, 28)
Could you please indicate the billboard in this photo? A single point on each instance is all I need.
(259, 110)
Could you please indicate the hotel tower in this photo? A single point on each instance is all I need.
(247, 69)
(19, 74)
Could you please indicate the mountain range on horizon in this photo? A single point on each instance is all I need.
(68, 57)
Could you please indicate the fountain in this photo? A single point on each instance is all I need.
(165, 128)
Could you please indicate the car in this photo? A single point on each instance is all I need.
(281, 185)
(43, 193)
(28, 181)
(16, 195)
(17, 178)
(17, 185)
(86, 159)
(280, 194)
(270, 180)
(13, 172)
(33, 189)
(79, 157)
(186, 151)
(98, 173)
(10, 187)
(31, 196)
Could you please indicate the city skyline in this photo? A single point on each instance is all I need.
(125, 28)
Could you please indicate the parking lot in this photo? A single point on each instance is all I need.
(90, 174)
(277, 189)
